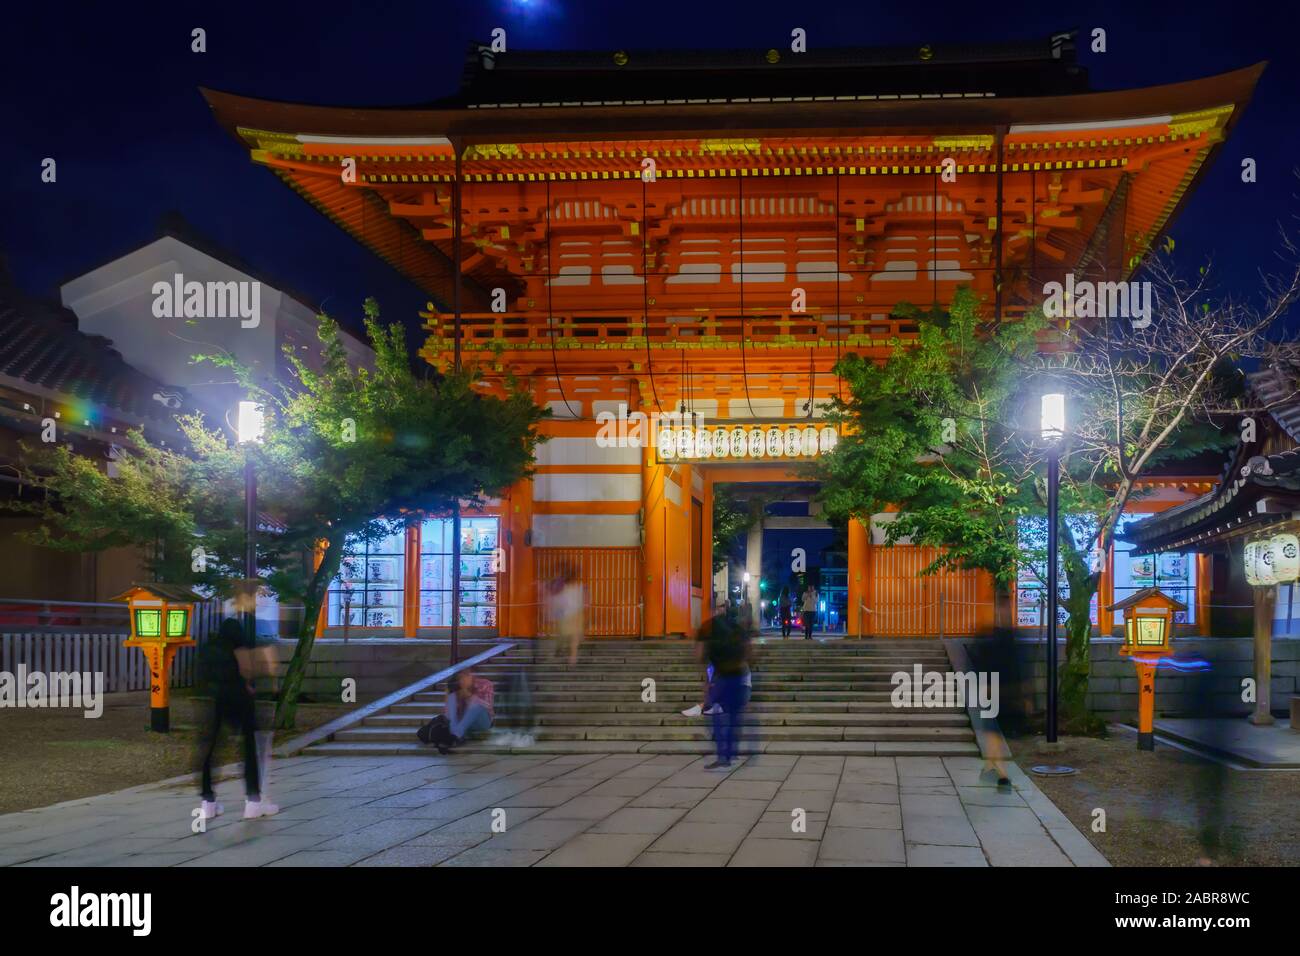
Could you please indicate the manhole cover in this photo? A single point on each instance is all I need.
(1045, 771)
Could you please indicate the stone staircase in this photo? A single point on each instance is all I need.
(809, 697)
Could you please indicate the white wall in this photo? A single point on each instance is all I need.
(117, 301)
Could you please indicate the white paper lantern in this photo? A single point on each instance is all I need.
(809, 442)
(667, 444)
(757, 444)
(1286, 557)
(1248, 562)
(685, 442)
(792, 443)
(827, 440)
(775, 446)
(703, 443)
(738, 443)
(721, 443)
(1264, 564)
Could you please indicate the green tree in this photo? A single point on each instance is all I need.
(348, 455)
(932, 431)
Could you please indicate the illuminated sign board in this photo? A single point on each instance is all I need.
(744, 442)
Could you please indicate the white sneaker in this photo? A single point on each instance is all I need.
(501, 739)
(210, 808)
(715, 709)
(259, 808)
(693, 711)
(524, 740)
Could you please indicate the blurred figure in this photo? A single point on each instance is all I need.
(809, 608)
(519, 698)
(707, 706)
(566, 609)
(728, 652)
(469, 707)
(1217, 839)
(784, 611)
(226, 671)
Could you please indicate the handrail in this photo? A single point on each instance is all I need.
(327, 730)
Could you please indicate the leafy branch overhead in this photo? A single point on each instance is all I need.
(348, 454)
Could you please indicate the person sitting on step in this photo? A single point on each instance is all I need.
(469, 706)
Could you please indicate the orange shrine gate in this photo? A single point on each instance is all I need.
(705, 235)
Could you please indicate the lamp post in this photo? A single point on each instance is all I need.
(249, 429)
(1052, 429)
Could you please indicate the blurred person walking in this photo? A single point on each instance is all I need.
(728, 652)
(809, 611)
(785, 612)
(227, 668)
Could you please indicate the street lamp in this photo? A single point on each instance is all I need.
(249, 429)
(1053, 430)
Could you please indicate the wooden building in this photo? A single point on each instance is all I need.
(705, 234)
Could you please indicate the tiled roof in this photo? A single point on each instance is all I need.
(41, 347)
(1226, 504)
(1043, 66)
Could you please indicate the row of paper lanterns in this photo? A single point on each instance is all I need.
(741, 442)
(1274, 560)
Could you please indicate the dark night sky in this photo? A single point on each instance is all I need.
(111, 91)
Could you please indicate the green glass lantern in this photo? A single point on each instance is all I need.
(178, 623)
(148, 622)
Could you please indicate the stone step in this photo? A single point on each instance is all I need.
(847, 748)
(828, 709)
(674, 719)
(760, 695)
(689, 732)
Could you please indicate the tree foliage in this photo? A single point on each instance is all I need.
(349, 454)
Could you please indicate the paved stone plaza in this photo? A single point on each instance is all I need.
(572, 810)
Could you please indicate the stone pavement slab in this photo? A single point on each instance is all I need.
(585, 809)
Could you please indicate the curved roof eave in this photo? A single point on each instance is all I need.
(899, 116)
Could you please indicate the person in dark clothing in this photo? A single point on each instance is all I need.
(727, 648)
(227, 672)
(786, 619)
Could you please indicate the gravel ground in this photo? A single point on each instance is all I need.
(1164, 808)
(49, 756)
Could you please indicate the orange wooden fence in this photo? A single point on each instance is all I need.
(906, 604)
(610, 582)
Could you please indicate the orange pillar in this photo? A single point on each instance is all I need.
(1204, 583)
(1146, 672)
(1106, 594)
(322, 617)
(411, 579)
(678, 543)
(517, 590)
(706, 544)
(859, 580)
(654, 546)
(985, 596)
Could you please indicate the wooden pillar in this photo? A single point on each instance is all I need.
(1204, 584)
(411, 582)
(653, 545)
(517, 617)
(859, 579)
(1106, 594)
(1265, 599)
(322, 618)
